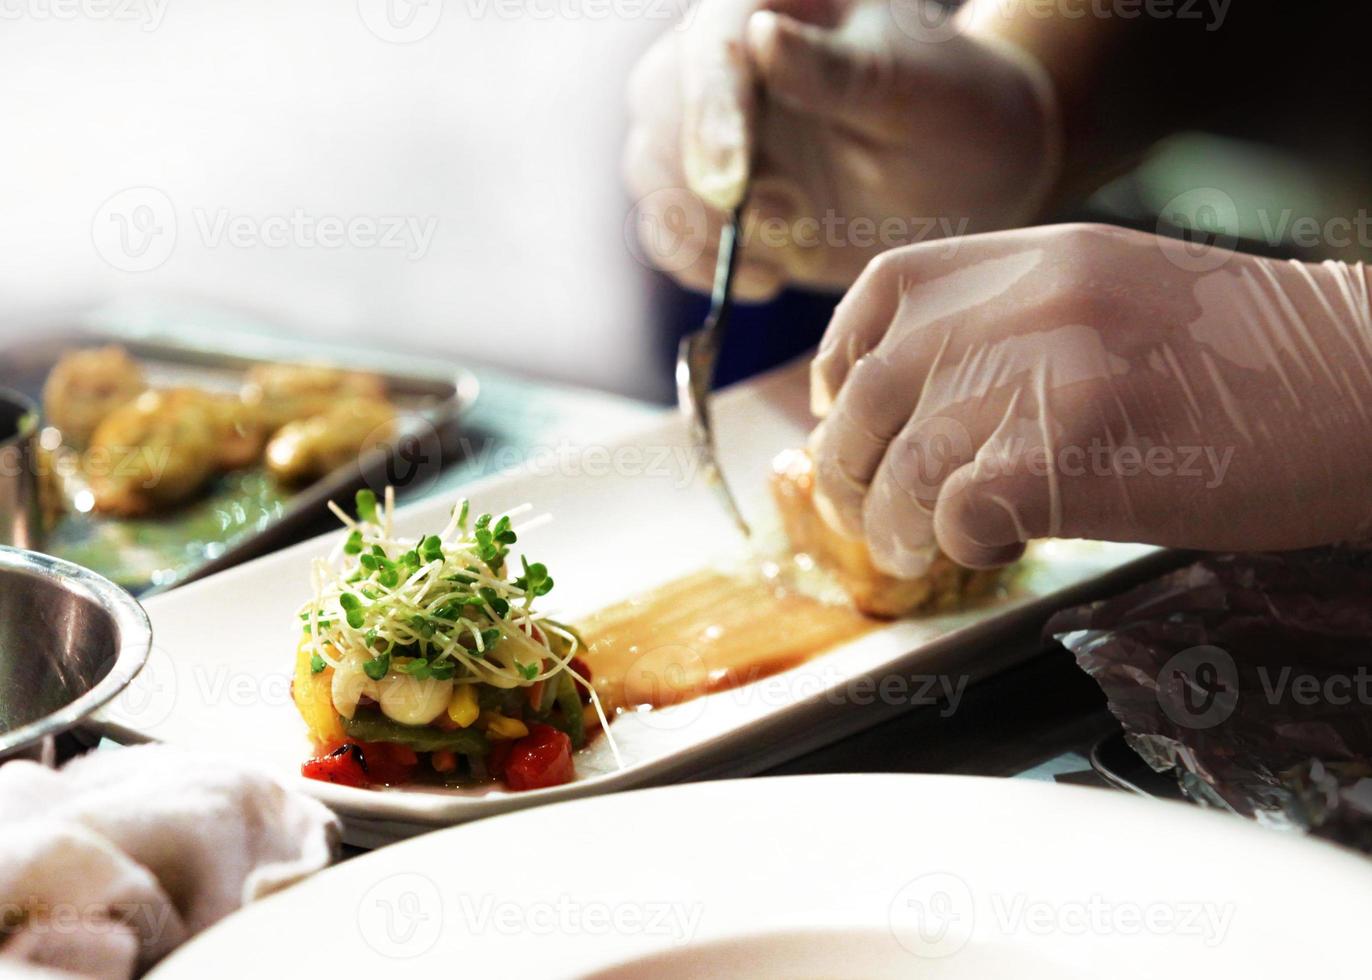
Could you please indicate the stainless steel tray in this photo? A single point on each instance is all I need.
(245, 514)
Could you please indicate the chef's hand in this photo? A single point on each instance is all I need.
(1086, 381)
(869, 123)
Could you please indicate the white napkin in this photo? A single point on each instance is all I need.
(113, 861)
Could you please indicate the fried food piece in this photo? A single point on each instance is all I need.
(284, 393)
(307, 449)
(154, 452)
(86, 386)
(872, 591)
(239, 433)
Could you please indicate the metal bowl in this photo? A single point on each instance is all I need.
(69, 642)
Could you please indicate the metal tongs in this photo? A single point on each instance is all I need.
(695, 365)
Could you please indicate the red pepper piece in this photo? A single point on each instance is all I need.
(345, 765)
(390, 764)
(540, 759)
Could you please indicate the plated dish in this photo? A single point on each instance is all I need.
(902, 876)
(424, 659)
(705, 661)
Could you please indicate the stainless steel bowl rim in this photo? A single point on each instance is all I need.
(18, 398)
(134, 638)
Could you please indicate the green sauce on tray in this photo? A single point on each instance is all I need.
(154, 552)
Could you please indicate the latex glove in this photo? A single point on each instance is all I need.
(1086, 381)
(881, 125)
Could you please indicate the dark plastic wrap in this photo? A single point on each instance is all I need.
(1251, 676)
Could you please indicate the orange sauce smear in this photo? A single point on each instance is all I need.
(705, 633)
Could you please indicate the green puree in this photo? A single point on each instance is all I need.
(157, 551)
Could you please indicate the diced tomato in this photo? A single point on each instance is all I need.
(498, 756)
(583, 670)
(345, 765)
(388, 763)
(540, 759)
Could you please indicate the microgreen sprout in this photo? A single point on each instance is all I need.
(377, 667)
(437, 607)
(366, 506)
(535, 581)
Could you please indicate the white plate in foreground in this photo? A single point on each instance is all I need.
(628, 515)
(873, 876)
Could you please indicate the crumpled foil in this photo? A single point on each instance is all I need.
(1250, 675)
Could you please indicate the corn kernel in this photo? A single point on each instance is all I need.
(462, 708)
(499, 726)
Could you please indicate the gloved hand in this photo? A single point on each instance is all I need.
(1086, 381)
(871, 123)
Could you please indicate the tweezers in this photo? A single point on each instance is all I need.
(697, 358)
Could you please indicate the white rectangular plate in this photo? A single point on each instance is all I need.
(629, 514)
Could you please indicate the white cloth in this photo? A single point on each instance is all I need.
(113, 861)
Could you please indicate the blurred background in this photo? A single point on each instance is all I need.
(445, 178)
(473, 172)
